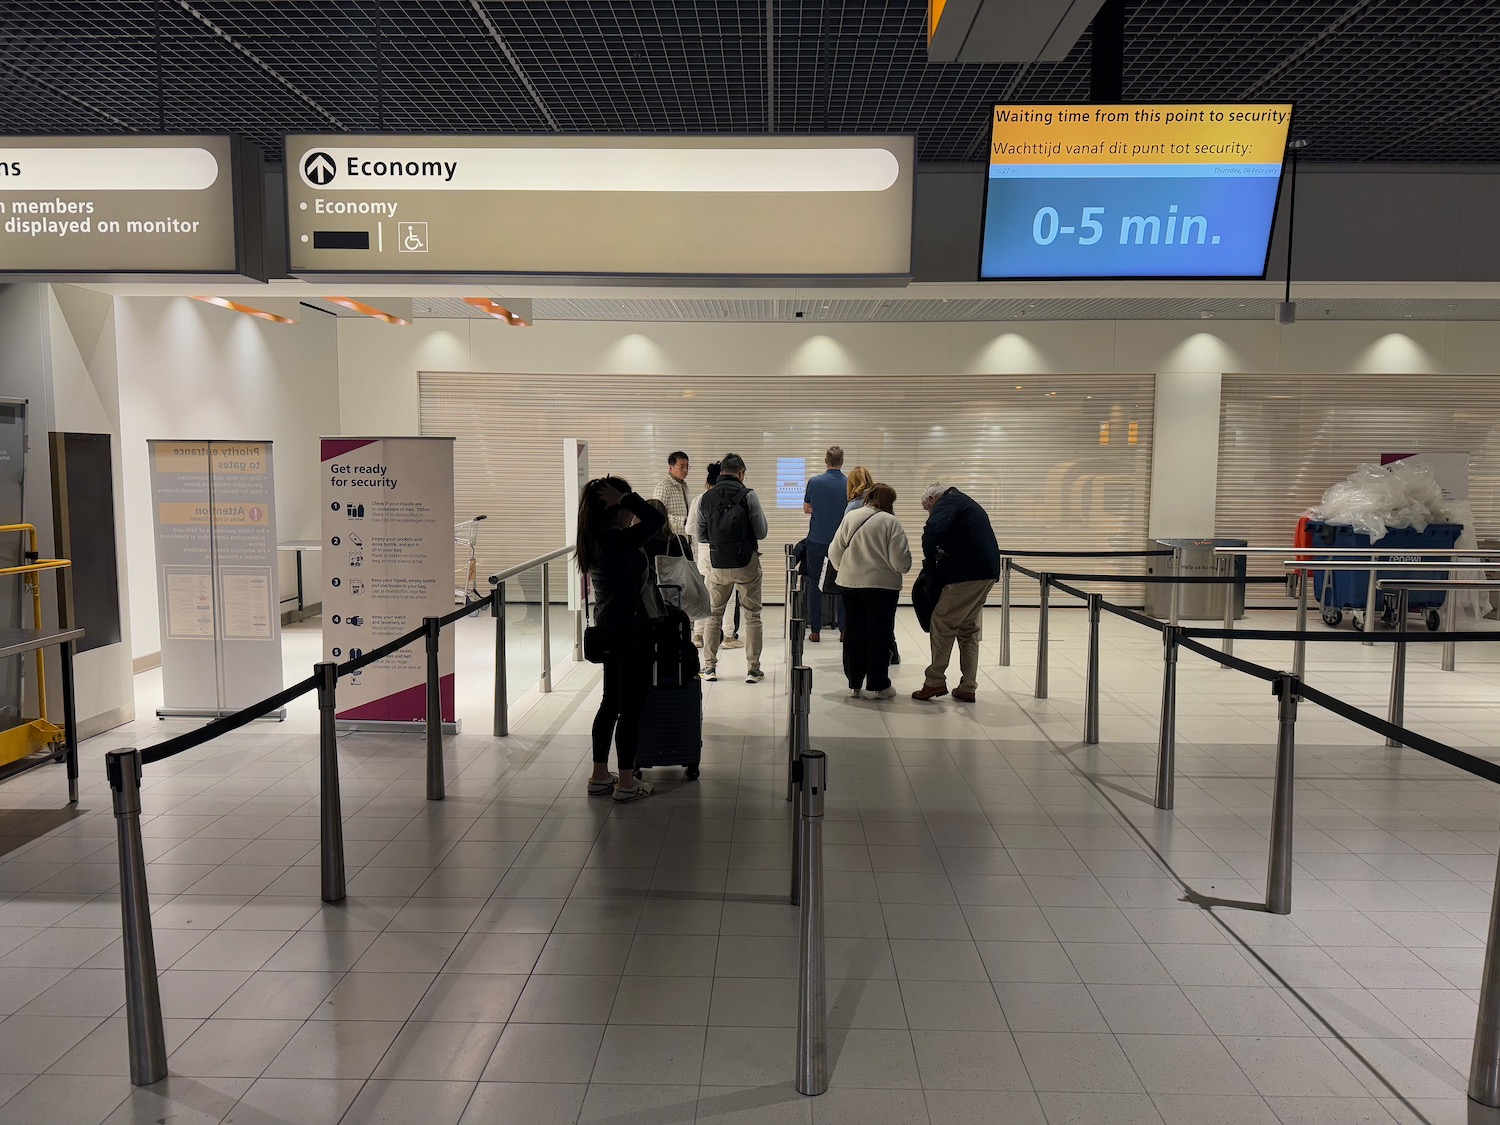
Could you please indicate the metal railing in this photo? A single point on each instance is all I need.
(500, 727)
(1006, 566)
(1289, 689)
(147, 1042)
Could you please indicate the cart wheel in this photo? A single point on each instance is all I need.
(1359, 622)
(1434, 621)
(1332, 616)
(1388, 617)
(692, 773)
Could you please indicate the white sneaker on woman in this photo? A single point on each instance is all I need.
(883, 693)
(854, 693)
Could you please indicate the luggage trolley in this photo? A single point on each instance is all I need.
(466, 534)
(1339, 591)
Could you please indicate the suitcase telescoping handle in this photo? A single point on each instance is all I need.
(669, 586)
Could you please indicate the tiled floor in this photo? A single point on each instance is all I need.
(1014, 933)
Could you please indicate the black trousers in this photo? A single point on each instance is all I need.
(871, 632)
(627, 678)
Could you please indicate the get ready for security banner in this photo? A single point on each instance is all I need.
(388, 563)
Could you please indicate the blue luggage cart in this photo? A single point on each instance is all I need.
(1341, 590)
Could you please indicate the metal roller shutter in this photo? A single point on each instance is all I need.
(1063, 461)
(1284, 439)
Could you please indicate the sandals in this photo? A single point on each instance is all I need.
(640, 791)
(604, 787)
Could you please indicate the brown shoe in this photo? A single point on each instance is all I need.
(841, 638)
(963, 696)
(813, 638)
(927, 691)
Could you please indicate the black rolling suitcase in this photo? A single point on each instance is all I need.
(672, 715)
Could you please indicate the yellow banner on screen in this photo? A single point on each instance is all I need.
(1145, 134)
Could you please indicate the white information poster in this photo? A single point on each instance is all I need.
(1450, 469)
(215, 522)
(388, 563)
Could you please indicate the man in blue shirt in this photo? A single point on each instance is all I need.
(824, 500)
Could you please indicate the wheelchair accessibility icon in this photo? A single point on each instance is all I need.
(411, 238)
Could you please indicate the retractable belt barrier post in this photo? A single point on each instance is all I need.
(1166, 740)
(435, 786)
(1005, 611)
(501, 725)
(1398, 665)
(801, 688)
(1176, 601)
(143, 1024)
(1229, 573)
(1299, 646)
(330, 806)
(546, 681)
(1091, 674)
(1279, 866)
(1484, 1066)
(812, 982)
(791, 568)
(1039, 690)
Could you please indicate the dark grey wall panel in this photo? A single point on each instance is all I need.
(83, 512)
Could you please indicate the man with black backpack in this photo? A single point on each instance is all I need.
(731, 522)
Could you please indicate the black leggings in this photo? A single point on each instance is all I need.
(871, 635)
(627, 676)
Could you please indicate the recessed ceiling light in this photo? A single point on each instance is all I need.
(248, 310)
(365, 310)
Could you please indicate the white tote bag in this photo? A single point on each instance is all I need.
(672, 570)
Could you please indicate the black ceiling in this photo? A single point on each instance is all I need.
(1374, 80)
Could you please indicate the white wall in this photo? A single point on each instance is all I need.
(189, 370)
(378, 366)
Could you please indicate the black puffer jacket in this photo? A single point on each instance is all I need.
(958, 542)
(621, 582)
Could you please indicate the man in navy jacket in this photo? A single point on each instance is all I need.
(958, 546)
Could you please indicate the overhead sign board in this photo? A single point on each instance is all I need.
(1132, 191)
(117, 207)
(743, 208)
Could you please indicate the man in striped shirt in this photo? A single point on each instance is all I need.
(671, 490)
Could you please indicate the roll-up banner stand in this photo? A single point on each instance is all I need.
(575, 454)
(388, 563)
(215, 524)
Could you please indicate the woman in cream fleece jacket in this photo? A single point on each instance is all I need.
(872, 555)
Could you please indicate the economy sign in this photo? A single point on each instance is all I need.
(116, 207)
(600, 206)
(1132, 191)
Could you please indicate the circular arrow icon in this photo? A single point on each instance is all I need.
(319, 168)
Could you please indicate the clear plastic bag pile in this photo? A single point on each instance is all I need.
(1376, 498)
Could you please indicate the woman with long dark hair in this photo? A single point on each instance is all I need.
(614, 526)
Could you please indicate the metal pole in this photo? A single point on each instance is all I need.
(1484, 1068)
(501, 725)
(1369, 601)
(791, 567)
(1279, 870)
(1176, 589)
(70, 721)
(1398, 668)
(330, 806)
(798, 719)
(148, 1041)
(578, 635)
(1091, 675)
(546, 684)
(435, 788)
(1299, 646)
(1005, 611)
(1166, 741)
(812, 983)
(1039, 691)
(1450, 654)
(799, 746)
(1229, 575)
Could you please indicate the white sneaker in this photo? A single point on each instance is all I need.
(883, 693)
(854, 693)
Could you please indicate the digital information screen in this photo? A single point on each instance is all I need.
(791, 481)
(1144, 191)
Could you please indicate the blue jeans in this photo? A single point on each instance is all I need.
(816, 554)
